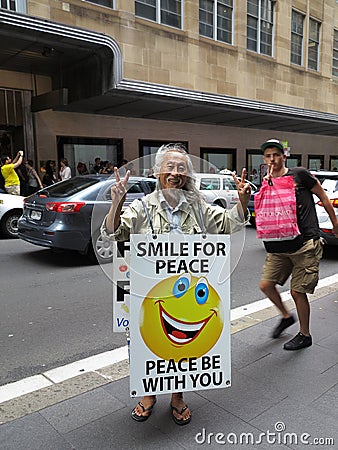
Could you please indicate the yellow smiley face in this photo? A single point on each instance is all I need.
(181, 317)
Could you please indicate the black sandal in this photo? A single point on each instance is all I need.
(142, 418)
(180, 421)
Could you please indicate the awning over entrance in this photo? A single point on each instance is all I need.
(87, 77)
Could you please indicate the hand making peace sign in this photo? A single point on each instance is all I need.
(118, 191)
(243, 188)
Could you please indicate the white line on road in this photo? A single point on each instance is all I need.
(24, 386)
(96, 362)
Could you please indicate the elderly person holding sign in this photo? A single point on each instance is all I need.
(176, 206)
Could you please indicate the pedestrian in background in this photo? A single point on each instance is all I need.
(302, 262)
(12, 180)
(104, 167)
(82, 168)
(97, 165)
(34, 181)
(65, 172)
(176, 206)
(49, 177)
(23, 177)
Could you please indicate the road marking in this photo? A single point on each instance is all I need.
(24, 386)
(97, 362)
(89, 364)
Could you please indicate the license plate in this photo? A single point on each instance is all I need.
(36, 215)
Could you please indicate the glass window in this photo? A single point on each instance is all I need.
(293, 161)
(216, 19)
(229, 183)
(333, 162)
(297, 36)
(10, 108)
(171, 13)
(335, 54)
(315, 162)
(166, 12)
(313, 44)
(260, 26)
(215, 159)
(256, 168)
(108, 3)
(76, 149)
(14, 5)
(210, 184)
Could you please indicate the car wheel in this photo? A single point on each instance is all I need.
(100, 250)
(9, 223)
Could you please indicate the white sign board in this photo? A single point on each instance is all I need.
(121, 286)
(179, 313)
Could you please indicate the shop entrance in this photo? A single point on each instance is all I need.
(81, 149)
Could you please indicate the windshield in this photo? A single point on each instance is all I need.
(68, 187)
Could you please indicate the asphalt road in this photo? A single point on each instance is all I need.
(56, 308)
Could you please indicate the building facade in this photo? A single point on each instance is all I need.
(116, 79)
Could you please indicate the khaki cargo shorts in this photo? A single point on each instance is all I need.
(302, 265)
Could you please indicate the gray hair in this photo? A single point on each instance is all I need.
(190, 185)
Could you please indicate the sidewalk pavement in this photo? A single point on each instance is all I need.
(278, 399)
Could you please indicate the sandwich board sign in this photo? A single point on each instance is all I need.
(179, 313)
(121, 286)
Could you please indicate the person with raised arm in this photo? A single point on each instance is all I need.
(176, 206)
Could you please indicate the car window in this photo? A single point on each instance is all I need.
(151, 185)
(134, 188)
(69, 187)
(229, 184)
(210, 184)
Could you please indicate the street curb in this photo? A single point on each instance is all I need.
(57, 392)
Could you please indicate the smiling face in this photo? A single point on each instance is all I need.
(181, 317)
(173, 174)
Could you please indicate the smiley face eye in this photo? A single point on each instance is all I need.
(181, 286)
(202, 291)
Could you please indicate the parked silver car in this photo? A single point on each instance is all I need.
(63, 215)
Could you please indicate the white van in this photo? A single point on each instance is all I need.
(218, 189)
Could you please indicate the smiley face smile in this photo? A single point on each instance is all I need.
(178, 331)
